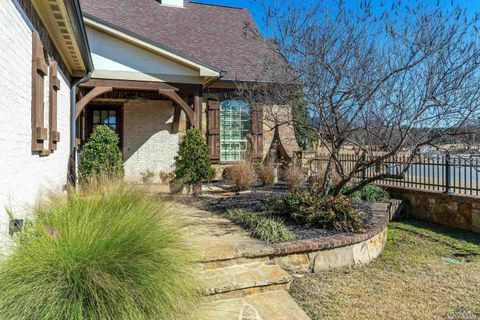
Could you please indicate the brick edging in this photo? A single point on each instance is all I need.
(376, 226)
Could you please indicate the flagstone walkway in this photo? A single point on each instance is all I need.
(242, 282)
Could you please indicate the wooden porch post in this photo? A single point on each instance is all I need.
(197, 107)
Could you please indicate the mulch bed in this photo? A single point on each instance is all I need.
(219, 198)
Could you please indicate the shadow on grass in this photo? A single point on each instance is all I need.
(466, 242)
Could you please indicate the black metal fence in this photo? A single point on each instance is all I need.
(442, 173)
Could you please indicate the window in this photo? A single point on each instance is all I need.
(104, 115)
(234, 127)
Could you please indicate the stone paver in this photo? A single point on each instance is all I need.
(277, 305)
(238, 271)
(217, 238)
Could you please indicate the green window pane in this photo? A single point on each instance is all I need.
(234, 127)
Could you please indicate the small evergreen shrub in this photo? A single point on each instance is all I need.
(241, 175)
(310, 207)
(101, 155)
(371, 193)
(294, 177)
(265, 228)
(107, 251)
(266, 174)
(192, 165)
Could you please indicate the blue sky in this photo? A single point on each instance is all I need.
(257, 12)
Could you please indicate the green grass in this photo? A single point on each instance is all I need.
(425, 272)
(105, 252)
(262, 227)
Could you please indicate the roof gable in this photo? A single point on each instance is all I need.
(214, 35)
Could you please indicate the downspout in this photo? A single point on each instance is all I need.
(73, 127)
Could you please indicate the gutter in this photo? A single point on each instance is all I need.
(73, 128)
(76, 18)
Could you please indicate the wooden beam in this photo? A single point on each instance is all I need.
(128, 85)
(176, 118)
(179, 101)
(95, 92)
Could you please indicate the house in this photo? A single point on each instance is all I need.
(162, 66)
(149, 69)
(44, 52)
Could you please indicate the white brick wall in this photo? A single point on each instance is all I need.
(24, 175)
(148, 140)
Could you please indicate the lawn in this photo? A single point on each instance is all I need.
(425, 272)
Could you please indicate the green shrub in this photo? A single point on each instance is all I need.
(264, 228)
(310, 207)
(371, 193)
(101, 155)
(241, 175)
(192, 165)
(108, 252)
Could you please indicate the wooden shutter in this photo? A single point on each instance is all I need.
(39, 70)
(213, 130)
(257, 131)
(54, 135)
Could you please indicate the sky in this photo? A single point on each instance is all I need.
(257, 12)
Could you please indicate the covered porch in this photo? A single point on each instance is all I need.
(149, 118)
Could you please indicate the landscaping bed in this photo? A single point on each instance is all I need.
(220, 198)
(299, 247)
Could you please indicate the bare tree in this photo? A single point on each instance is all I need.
(382, 80)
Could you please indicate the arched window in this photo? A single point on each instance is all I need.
(234, 127)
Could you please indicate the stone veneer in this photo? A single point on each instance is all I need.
(456, 211)
(342, 250)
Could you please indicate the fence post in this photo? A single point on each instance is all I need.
(448, 182)
(364, 173)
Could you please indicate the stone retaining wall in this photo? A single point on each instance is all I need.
(342, 250)
(456, 211)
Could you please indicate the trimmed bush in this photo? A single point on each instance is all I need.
(240, 175)
(371, 193)
(192, 165)
(310, 207)
(294, 177)
(108, 251)
(101, 155)
(266, 174)
(264, 228)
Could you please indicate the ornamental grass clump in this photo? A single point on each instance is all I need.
(241, 175)
(107, 251)
(262, 227)
(266, 174)
(294, 177)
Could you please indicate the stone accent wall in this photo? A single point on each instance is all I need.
(149, 143)
(456, 211)
(24, 175)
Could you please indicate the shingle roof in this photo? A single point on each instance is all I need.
(214, 35)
